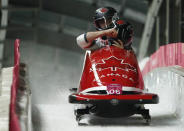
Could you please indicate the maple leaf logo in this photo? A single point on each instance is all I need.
(114, 63)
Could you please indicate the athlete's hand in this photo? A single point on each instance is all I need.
(118, 43)
(111, 32)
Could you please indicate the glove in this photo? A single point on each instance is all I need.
(125, 30)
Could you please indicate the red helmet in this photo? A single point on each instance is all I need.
(104, 15)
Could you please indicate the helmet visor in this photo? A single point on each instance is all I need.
(104, 23)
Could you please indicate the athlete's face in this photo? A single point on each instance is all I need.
(104, 24)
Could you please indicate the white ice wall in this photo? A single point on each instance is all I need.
(168, 83)
(7, 76)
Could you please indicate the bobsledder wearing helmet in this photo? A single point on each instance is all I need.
(105, 16)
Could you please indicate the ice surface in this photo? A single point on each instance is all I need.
(53, 71)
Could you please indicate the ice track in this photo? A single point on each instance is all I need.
(53, 71)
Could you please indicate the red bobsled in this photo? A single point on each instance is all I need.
(111, 85)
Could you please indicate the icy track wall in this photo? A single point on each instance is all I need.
(164, 75)
(168, 55)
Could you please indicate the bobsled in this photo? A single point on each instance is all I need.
(111, 85)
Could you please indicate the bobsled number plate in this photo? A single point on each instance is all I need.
(114, 89)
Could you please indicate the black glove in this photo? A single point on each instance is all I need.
(125, 30)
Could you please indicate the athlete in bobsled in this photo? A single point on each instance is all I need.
(111, 84)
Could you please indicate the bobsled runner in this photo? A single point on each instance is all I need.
(111, 85)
